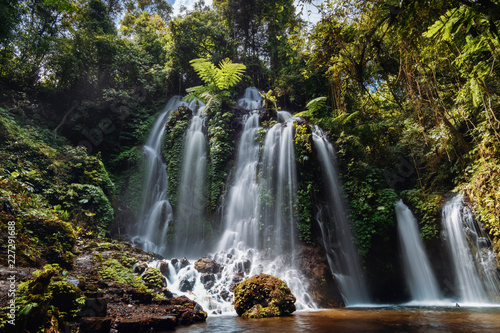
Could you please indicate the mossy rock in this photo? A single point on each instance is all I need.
(153, 278)
(263, 296)
(48, 296)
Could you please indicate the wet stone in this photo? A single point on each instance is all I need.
(140, 267)
(164, 268)
(184, 262)
(185, 285)
(95, 325)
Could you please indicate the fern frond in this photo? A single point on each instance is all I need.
(316, 103)
(228, 74)
(196, 92)
(205, 70)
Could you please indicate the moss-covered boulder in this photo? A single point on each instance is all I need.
(263, 296)
(154, 279)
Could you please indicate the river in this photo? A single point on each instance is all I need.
(391, 319)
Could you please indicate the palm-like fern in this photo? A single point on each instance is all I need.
(217, 79)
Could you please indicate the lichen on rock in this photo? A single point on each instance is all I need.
(263, 296)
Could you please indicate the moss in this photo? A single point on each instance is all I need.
(153, 278)
(482, 187)
(302, 139)
(60, 182)
(40, 240)
(125, 259)
(45, 297)
(113, 271)
(262, 296)
(426, 208)
(221, 144)
(173, 149)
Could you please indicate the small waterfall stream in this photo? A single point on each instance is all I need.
(156, 212)
(189, 236)
(418, 271)
(342, 253)
(241, 217)
(473, 259)
(279, 186)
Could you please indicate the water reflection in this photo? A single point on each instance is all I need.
(362, 320)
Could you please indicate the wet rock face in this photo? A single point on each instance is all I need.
(205, 265)
(263, 296)
(323, 288)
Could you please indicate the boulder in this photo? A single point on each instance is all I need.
(185, 285)
(184, 262)
(208, 280)
(225, 295)
(263, 296)
(164, 268)
(323, 287)
(205, 265)
(140, 267)
(154, 279)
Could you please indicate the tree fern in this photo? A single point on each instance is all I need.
(224, 77)
(229, 73)
(217, 79)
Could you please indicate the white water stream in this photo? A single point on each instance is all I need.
(473, 259)
(419, 275)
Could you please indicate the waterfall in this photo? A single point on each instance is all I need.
(243, 241)
(189, 230)
(418, 272)
(279, 186)
(341, 251)
(473, 259)
(241, 221)
(251, 99)
(155, 212)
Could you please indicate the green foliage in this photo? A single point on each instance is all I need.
(221, 144)
(225, 76)
(312, 107)
(173, 150)
(112, 270)
(426, 208)
(305, 218)
(482, 187)
(47, 296)
(217, 79)
(302, 139)
(371, 208)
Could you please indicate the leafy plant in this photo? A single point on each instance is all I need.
(217, 79)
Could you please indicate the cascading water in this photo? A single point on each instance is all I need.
(279, 186)
(418, 272)
(241, 216)
(189, 236)
(473, 260)
(341, 251)
(156, 212)
(251, 99)
(242, 238)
